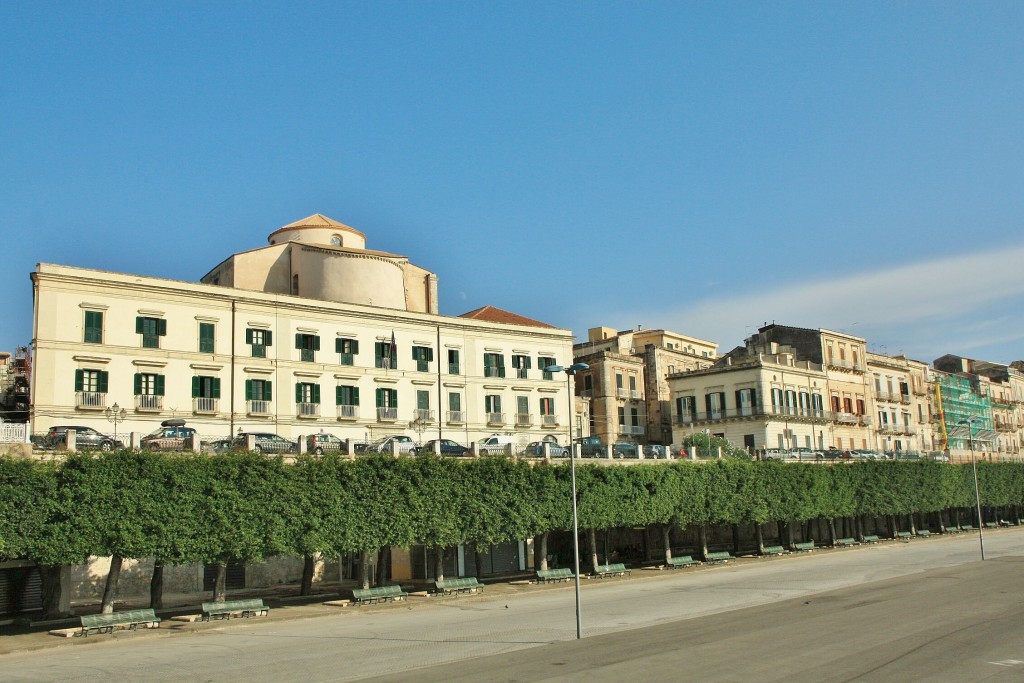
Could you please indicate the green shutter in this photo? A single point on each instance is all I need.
(248, 390)
(248, 335)
(337, 396)
(423, 400)
(137, 386)
(159, 385)
(103, 381)
(161, 327)
(79, 380)
(316, 342)
(298, 340)
(338, 345)
(354, 346)
(138, 324)
(216, 387)
(268, 391)
(355, 396)
(195, 387)
(380, 402)
(268, 339)
(298, 392)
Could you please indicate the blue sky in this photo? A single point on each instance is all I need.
(699, 167)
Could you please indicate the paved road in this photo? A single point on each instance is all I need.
(926, 610)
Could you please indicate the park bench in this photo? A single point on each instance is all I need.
(603, 570)
(126, 619)
(804, 547)
(846, 542)
(554, 575)
(226, 609)
(681, 561)
(871, 538)
(721, 556)
(924, 533)
(773, 550)
(467, 584)
(368, 596)
(904, 535)
(966, 527)
(991, 525)
(953, 530)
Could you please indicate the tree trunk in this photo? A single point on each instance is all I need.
(220, 575)
(831, 531)
(702, 539)
(736, 539)
(308, 566)
(364, 569)
(759, 536)
(383, 566)
(438, 563)
(541, 561)
(892, 523)
(478, 560)
(781, 532)
(666, 540)
(110, 589)
(52, 589)
(156, 586)
(592, 541)
(789, 535)
(913, 525)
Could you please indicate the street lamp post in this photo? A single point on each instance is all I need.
(969, 423)
(569, 372)
(115, 414)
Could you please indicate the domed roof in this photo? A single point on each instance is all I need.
(317, 220)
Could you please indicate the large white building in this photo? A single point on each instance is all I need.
(310, 333)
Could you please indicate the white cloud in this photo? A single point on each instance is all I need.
(947, 305)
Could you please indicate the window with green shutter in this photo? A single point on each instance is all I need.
(308, 345)
(346, 350)
(387, 398)
(384, 356)
(455, 401)
(206, 332)
(423, 355)
(151, 330)
(259, 340)
(346, 395)
(205, 387)
(494, 365)
(307, 392)
(546, 362)
(259, 390)
(148, 384)
(91, 381)
(453, 361)
(93, 327)
(521, 365)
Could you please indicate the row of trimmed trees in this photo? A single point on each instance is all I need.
(183, 509)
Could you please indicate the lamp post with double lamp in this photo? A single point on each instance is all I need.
(569, 372)
(115, 414)
(969, 423)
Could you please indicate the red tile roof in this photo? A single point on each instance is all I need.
(497, 315)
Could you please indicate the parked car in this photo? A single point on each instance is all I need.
(448, 447)
(266, 442)
(497, 443)
(317, 444)
(85, 438)
(537, 448)
(593, 447)
(173, 435)
(383, 444)
(218, 446)
(654, 450)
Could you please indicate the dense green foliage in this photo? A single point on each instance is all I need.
(199, 508)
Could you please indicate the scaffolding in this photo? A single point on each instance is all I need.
(957, 401)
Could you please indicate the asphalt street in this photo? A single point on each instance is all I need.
(927, 610)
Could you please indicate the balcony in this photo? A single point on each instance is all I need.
(258, 408)
(90, 400)
(549, 420)
(633, 429)
(888, 428)
(523, 419)
(424, 415)
(495, 418)
(904, 398)
(842, 364)
(587, 393)
(149, 403)
(387, 414)
(307, 410)
(908, 430)
(634, 394)
(204, 406)
(348, 412)
(620, 392)
(456, 417)
(882, 395)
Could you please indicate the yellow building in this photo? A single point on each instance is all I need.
(311, 333)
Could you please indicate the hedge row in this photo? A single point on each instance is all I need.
(198, 508)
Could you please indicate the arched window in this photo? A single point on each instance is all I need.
(335, 240)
